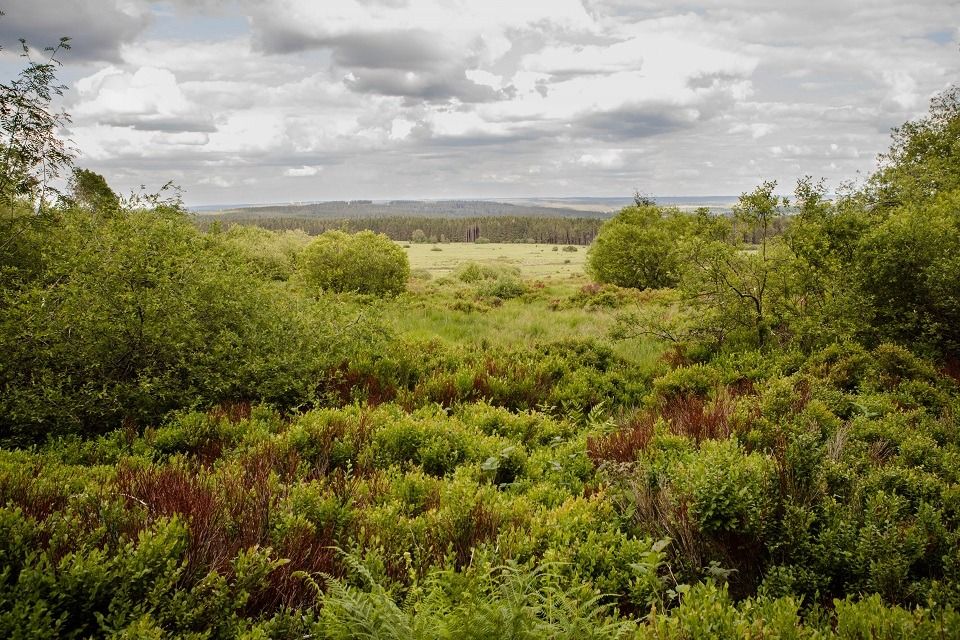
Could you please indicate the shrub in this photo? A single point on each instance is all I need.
(504, 288)
(471, 272)
(727, 490)
(271, 254)
(140, 314)
(637, 248)
(364, 262)
(421, 274)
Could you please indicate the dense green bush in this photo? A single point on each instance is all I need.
(139, 313)
(272, 254)
(363, 262)
(908, 273)
(638, 248)
(822, 486)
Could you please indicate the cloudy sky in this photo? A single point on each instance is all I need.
(285, 100)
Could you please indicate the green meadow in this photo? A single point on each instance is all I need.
(535, 261)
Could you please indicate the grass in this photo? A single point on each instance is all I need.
(444, 308)
(535, 261)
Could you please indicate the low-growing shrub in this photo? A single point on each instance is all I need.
(363, 262)
(504, 288)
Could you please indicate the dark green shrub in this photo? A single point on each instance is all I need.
(726, 490)
(140, 314)
(504, 288)
(638, 248)
(363, 262)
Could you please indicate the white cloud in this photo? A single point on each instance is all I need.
(302, 172)
(756, 130)
(606, 159)
(421, 98)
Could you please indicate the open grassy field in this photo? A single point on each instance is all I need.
(555, 303)
(533, 260)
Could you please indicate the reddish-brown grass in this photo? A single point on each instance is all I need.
(692, 416)
(624, 444)
(463, 534)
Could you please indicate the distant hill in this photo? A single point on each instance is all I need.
(578, 207)
(345, 210)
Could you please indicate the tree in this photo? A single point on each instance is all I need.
(638, 248)
(365, 262)
(742, 291)
(905, 261)
(924, 157)
(641, 199)
(31, 154)
(907, 272)
(89, 190)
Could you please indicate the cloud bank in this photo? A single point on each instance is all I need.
(293, 99)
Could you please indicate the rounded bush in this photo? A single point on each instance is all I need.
(637, 248)
(364, 262)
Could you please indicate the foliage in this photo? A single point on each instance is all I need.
(908, 275)
(32, 154)
(364, 262)
(481, 519)
(542, 229)
(923, 161)
(744, 294)
(138, 314)
(637, 248)
(89, 190)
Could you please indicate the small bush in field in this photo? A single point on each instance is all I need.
(471, 272)
(421, 274)
(504, 288)
(364, 262)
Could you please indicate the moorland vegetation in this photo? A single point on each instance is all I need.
(737, 428)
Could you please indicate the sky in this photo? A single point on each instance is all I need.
(252, 101)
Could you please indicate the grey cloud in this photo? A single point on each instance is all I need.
(408, 50)
(492, 140)
(398, 49)
(711, 80)
(821, 80)
(96, 30)
(632, 122)
(408, 63)
(164, 124)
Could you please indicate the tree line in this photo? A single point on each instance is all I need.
(546, 230)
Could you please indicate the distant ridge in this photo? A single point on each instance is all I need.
(343, 209)
(576, 207)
